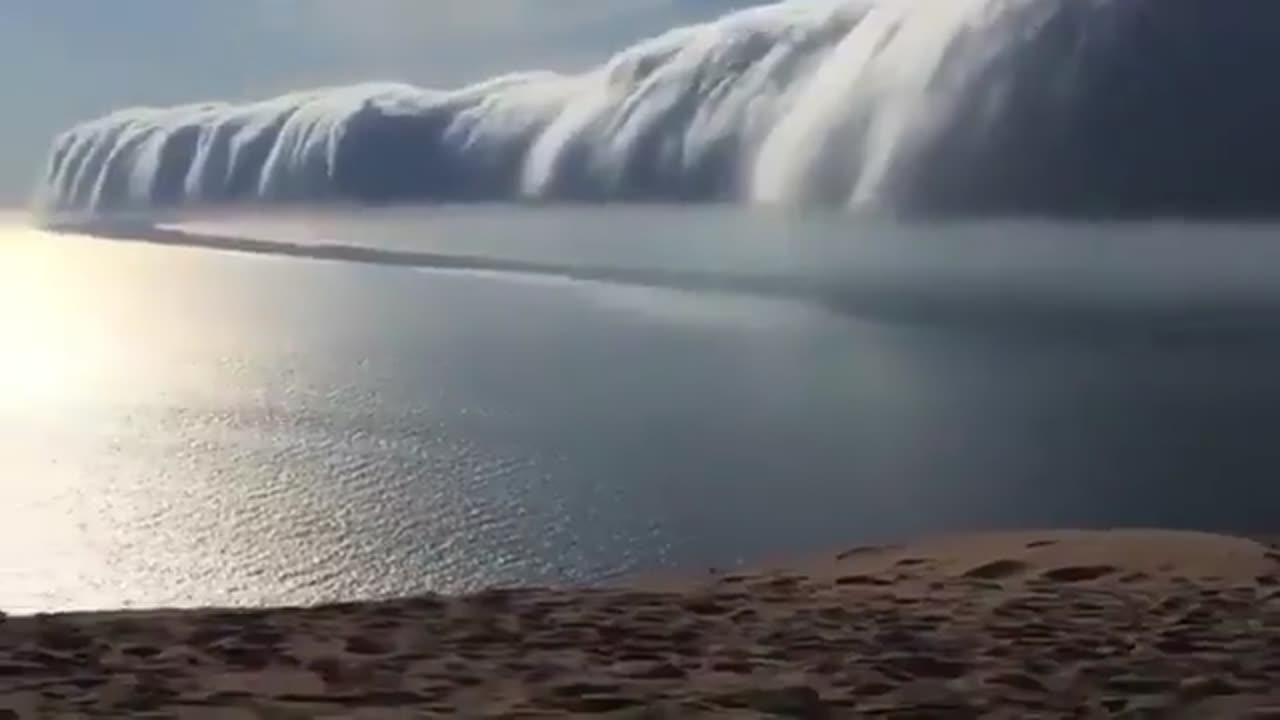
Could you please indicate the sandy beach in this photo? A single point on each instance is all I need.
(1013, 625)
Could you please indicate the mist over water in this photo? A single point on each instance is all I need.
(1102, 107)
(1008, 276)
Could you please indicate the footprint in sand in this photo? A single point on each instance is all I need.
(870, 580)
(861, 550)
(997, 570)
(1078, 573)
(366, 646)
(706, 606)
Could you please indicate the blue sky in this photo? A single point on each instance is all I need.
(62, 61)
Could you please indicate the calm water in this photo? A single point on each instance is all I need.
(190, 426)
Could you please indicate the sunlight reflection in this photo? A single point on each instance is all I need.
(53, 343)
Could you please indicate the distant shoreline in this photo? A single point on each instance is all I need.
(994, 307)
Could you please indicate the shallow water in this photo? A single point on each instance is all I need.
(188, 426)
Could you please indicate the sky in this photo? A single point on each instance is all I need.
(63, 61)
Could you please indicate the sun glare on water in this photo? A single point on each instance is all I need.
(52, 341)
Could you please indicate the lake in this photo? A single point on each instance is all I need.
(592, 393)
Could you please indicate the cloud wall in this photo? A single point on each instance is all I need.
(1067, 107)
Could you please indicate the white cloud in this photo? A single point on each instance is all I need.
(946, 105)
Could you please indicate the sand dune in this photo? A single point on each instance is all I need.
(1043, 624)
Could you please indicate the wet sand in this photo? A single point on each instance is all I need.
(1012, 625)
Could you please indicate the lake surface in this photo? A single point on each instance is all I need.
(187, 426)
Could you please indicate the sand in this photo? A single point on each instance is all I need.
(1017, 625)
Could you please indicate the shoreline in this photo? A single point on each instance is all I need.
(1011, 624)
